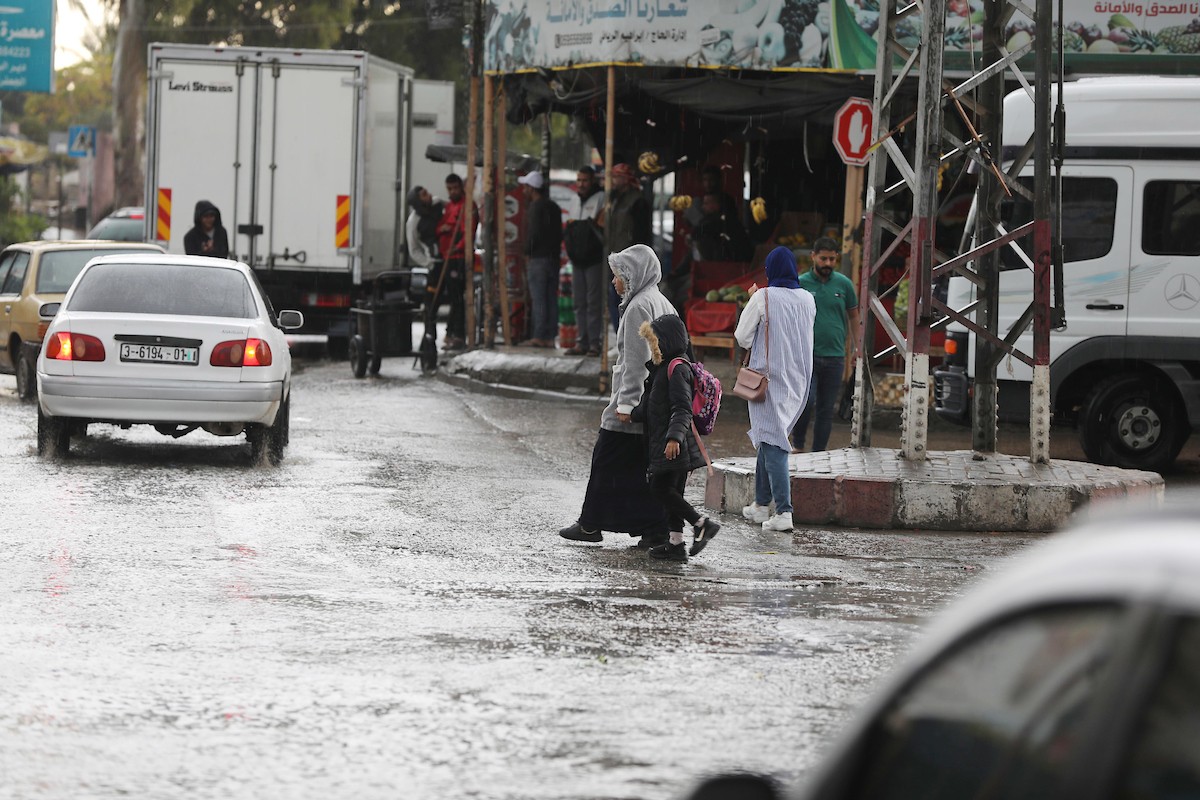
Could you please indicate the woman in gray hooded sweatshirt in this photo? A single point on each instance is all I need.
(618, 498)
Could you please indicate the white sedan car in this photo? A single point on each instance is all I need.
(177, 342)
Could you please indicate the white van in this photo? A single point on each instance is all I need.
(1126, 369)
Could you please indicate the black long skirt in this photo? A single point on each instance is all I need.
(618, 497)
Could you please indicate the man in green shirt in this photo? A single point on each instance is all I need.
(836, 324)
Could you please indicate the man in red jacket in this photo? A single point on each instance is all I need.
(451, 243)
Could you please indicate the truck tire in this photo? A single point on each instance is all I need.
(358, 356)
(53, 436)
(26, 377)
(1133, 422)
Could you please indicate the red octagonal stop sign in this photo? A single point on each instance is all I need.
(852, 131)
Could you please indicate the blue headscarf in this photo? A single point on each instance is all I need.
(781, 269)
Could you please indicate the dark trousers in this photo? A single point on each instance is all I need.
(453, 289)
(822, 400)
(668, 488)
(614, 307)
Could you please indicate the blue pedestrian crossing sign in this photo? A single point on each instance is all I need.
(81, 141)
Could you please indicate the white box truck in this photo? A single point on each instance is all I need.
(306, 153)
(1126, 369)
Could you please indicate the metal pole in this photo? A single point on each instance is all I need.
(1039, 391)
(489, 212)
(502, 220)
(469, 209)
(987, 198)
(914, 415)
(864, 386)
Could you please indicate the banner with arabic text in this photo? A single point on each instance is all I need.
(1116, 36)
(27, 46)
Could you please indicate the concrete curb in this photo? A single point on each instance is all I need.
(954, 490)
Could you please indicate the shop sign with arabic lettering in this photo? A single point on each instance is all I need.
(810, 34)
(27, 46)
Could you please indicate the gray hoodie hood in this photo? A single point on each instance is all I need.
(638, 267)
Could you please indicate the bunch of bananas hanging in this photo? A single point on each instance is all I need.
(758, 209)
(680, 202)
(649, 164)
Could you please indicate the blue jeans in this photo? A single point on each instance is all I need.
(771, 480)
(822, 400)
(543, 294)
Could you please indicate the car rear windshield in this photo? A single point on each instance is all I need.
(57, 270)
(164, 289)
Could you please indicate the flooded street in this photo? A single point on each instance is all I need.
(391, 612)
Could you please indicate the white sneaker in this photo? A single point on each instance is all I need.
(779, 522)
(756, 513)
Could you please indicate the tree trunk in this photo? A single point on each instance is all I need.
(129, 94)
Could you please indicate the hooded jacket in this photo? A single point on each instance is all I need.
(639, 268)
(666, 407)
(421, 229)
(195, 239)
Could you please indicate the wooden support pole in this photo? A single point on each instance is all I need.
(488, 211)
(610, 111)
(852, 211)
(469, 211)
(502, 217)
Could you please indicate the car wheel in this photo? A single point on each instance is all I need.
(53, 436)
(26, 378)
(268, 443)
(1133, 422)
(358, 356)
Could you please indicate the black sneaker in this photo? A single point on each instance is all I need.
(669, 552)
(703, 534)
(651, 540)
(577, 533)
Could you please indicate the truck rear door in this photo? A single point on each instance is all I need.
(201, 114)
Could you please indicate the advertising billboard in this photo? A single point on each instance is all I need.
(1122, 36)
(27, 46)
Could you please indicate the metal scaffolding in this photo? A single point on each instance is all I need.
(977, 101)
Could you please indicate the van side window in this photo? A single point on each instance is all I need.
(1089, 212)
(1171, 218)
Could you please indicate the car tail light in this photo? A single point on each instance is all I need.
(64, 346)
(241, 353)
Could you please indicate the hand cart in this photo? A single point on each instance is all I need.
(382, 323)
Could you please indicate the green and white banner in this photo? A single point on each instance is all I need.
(814, 34)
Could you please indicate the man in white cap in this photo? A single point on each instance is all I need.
(543, 246)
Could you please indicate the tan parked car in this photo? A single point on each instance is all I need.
(33, 273)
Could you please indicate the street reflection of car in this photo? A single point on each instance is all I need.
(123, 225)
(33, 273)
(1075, 673)
(177, 342)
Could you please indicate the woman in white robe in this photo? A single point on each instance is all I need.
(776, 326)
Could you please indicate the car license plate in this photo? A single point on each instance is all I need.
(159, 354)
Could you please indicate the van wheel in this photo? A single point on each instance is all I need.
(26, 379)
(1133, 422)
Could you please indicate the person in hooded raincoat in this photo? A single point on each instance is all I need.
(618, 497)
(207, 237)
(783, 313)
(675, 450)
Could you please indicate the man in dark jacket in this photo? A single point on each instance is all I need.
(207, 237)
(626, 221)
(543, 245)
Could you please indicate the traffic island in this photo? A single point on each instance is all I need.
(953, 490)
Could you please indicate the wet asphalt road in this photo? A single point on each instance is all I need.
(390, 613)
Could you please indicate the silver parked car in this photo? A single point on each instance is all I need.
(1075, 673)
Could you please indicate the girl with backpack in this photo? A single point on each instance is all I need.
(674, 446)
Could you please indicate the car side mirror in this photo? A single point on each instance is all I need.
(48, 310)
(288, 320)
